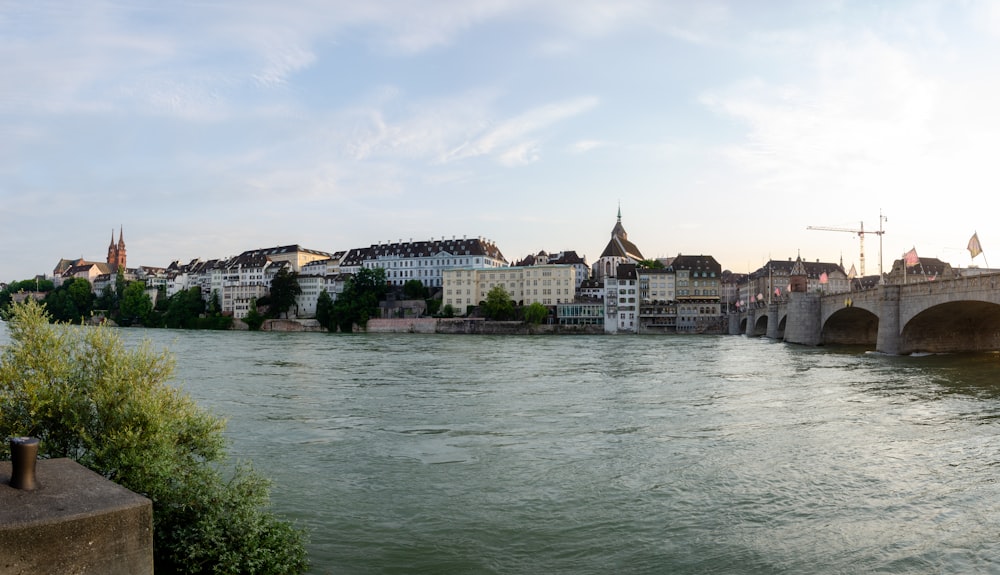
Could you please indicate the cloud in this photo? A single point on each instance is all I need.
(284, 61)
(508, 133)
(519, 155)
(865, 111)
(584, 146)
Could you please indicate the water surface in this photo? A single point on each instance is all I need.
(610, 454)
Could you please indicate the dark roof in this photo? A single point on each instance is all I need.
(788, 267)
(462, 247)
(702, 263)
(620, 247)
(626, 272)
(567, 257)
(926, 266)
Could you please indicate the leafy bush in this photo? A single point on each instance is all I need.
(88, 398)
(536, 313)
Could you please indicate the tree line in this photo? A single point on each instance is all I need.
(130, 304)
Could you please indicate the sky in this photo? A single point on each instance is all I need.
(204, 129)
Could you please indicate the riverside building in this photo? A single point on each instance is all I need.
(424, 260)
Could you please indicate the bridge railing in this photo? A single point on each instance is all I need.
(961, 284)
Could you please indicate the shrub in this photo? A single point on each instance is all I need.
(88, 398)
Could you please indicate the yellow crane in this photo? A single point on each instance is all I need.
(861, 239)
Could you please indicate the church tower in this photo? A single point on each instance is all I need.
(116, 252)
(618, 251)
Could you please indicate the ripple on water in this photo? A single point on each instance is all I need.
(453, 454)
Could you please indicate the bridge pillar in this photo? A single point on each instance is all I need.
(888, 321)
(803, 325)
(751, 322)
(773, 321)
(734, 323)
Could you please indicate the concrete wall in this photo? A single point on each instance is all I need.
(403, 325)
(291, 325)
(75, 522)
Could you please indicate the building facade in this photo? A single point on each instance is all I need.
(548, 285)
(424, 260)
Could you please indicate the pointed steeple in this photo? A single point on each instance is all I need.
(619, 230)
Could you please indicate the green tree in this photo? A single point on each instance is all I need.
(253, 319)
(32, 285)
(136, 304)
(498, 305)
(70, 302)
(107, 301)
(120, 283)
(284, 289)
(359, 300)
(536, 313)
(448, 310)
(651, 264)
(415, 289)
(433, 306)
(324, 311)
(183, 309)
(214, 305)
(87, 397)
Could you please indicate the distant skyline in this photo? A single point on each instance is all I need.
(719, 127)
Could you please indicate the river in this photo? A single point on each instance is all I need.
(609, 454)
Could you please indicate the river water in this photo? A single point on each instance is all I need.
(610, 454)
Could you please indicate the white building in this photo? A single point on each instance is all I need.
(424, 260)
(621, 300)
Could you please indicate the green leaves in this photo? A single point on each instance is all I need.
(359, 300)
(87, 397)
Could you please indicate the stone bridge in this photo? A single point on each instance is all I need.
(961, 314)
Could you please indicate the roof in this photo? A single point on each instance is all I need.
(703, 263)
(620, 247)
(567, 257)
(457, 247)
(797, 267)
(626, 272)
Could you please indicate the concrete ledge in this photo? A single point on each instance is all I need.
(75, 522)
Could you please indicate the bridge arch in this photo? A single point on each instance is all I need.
(851, 326)
(970, 325)
(760, 325)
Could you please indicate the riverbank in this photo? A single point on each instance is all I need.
(474, 326)
(433, 325)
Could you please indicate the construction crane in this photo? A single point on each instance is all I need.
(861, 239)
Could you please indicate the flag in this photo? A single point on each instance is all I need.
(852, 273)
(974, 247)
(823, 278)
(933, 277)
(911, 257)
(760, 296)
(777, 291)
